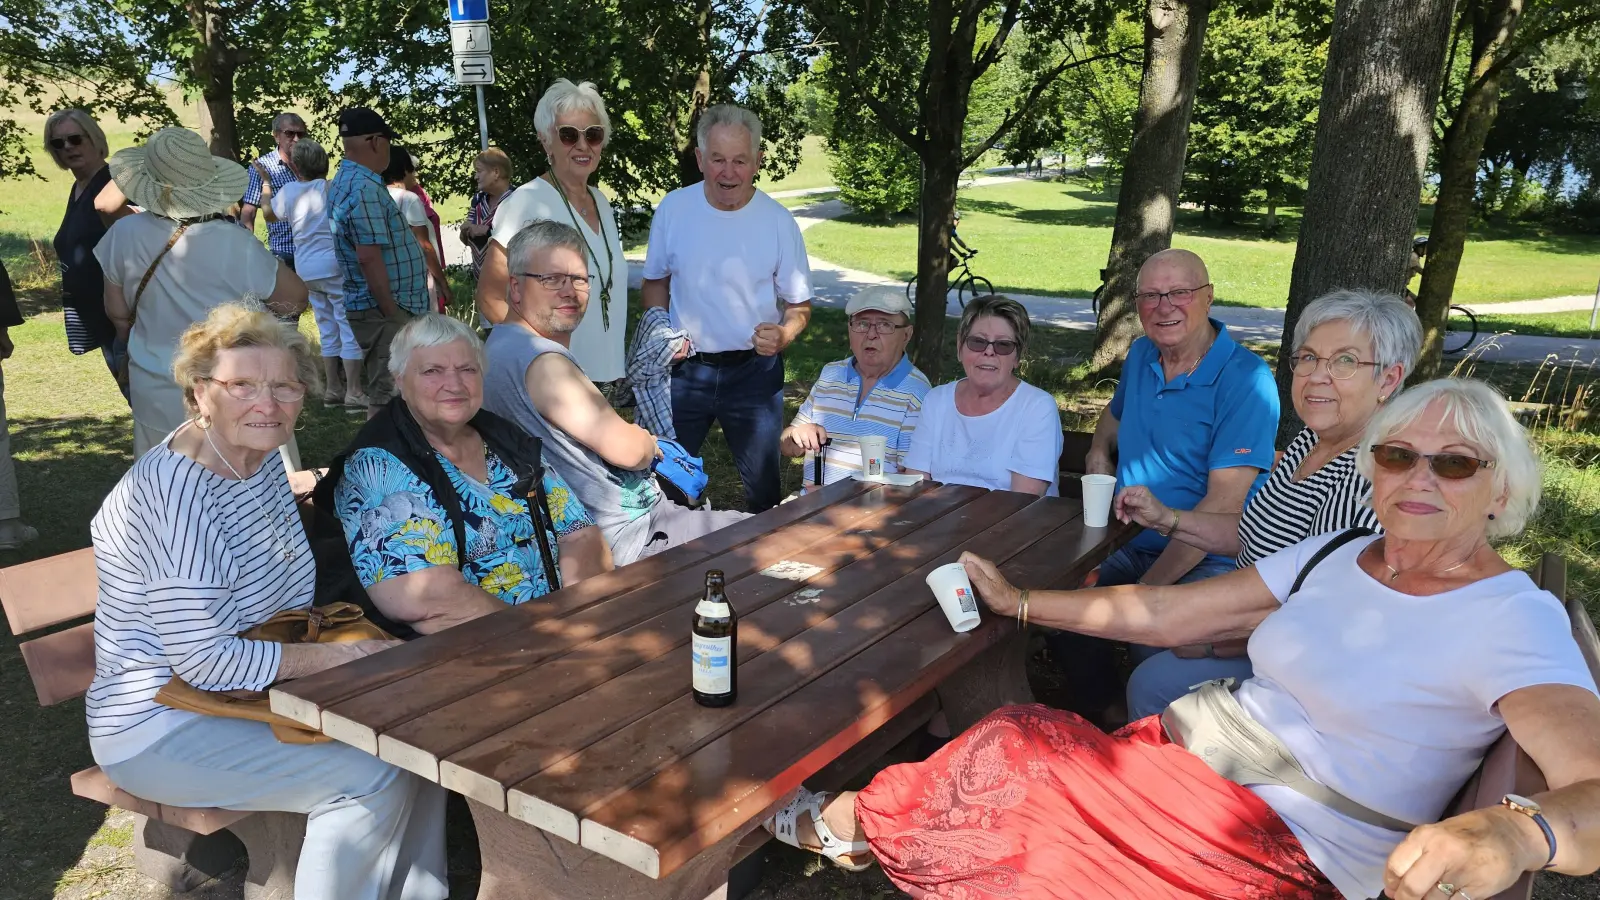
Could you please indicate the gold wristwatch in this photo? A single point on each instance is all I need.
(1532, 809)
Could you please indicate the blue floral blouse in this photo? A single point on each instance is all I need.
(395, 525)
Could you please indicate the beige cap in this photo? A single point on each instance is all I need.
(883, 298)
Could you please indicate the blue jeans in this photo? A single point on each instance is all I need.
(746, 398)
(1088, 663)
(1163, 678)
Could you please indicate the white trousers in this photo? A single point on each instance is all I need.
(373, 832)
(333, 329)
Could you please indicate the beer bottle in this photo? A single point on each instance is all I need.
(714, 650)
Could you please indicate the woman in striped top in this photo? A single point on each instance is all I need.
(1353, 351)
(200, 541)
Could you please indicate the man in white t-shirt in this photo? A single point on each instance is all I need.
(728, 263)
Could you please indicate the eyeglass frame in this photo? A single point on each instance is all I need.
(1168, 296)
(298, 134)
(272, 386)
(879, 327)
(562, 130)
(1294, 365)
(969, 340)
(568, 276)
(68, 140)
(1478, 464)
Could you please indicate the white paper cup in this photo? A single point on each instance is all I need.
(873, 449)
(954, 592)
(1098, 490)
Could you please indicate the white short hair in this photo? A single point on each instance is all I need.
(728, 114)
(431, 330)
(1382, 318)
(1480, 413)
(538, 236)
(565, 97)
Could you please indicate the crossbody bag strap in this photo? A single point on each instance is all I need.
(1344, 537)
(133, 308)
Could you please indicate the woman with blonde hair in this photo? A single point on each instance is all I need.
(198, 542)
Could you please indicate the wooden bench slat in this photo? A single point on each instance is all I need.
(563, 792)
(49, 591)
(314, 693)
(92, 784)
(61, 664)
(420, 743)
(358, 721)
(690, 805)
(482, 770)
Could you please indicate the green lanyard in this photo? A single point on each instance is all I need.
(611, 262)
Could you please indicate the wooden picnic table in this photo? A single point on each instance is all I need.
(572, 714)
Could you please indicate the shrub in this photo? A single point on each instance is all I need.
(877, 175)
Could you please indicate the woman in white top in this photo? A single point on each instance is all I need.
(169, 266)
(401, 179)
(991, 429)
(197, 543)
(1387, 675)
(304, 205)
(573, 127)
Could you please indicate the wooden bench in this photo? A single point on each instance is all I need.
(176, 846)
(1074, 452)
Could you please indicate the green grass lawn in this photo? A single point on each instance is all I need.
(1049, 237)
(1566, 324)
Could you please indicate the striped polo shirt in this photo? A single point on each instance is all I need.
(891, 411)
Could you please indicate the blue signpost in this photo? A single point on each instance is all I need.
(474, 64)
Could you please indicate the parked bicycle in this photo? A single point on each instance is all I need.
(1456, 340)
(967, 283)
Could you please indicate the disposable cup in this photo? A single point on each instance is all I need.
(873, 449)
(954, 592)
(1097, 493)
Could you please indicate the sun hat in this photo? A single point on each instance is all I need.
(881, 298)
(174, 175)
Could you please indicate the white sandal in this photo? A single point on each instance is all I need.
(783, 827)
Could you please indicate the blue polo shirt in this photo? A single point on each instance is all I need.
(1171, 434)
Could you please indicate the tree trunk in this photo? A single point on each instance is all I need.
(699, 99)
(1374, 128)
(1493, 23)
(212, 67)
(1147, 203)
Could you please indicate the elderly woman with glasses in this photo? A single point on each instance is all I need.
(990, 429)
(198, 542)
(573, 128)
(1353, 350)
(449, 511)
(1385, 667)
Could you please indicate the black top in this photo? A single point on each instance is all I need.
(9, 314)
(83, 284)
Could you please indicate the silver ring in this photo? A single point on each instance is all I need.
(1447, 889)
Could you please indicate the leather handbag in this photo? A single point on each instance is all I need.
(336, 623)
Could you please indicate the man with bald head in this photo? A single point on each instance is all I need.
(1193, 419)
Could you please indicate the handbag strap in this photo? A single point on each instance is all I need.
(133, 308)
(1344, 537)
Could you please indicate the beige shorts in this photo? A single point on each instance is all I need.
(374, 333)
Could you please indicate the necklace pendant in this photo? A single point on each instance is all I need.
(288, 555)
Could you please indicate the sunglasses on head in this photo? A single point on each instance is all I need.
(1453, 466)
(1001, 348)
(594, 135)
(61, 143)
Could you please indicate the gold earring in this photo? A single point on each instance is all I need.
(204, 421)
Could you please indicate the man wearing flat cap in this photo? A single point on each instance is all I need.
(385, 276)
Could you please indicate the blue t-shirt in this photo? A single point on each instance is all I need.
(396, 526)
(1223, 415)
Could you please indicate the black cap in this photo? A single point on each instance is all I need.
(358, 121)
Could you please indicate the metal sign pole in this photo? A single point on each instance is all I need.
(1595, 312)
(483, 122)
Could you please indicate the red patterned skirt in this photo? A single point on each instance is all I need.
(1037, 803)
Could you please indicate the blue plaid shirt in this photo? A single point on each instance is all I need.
(361, 211)
(280, 237)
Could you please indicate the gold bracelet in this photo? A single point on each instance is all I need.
(1176, 517)
(1022, 610)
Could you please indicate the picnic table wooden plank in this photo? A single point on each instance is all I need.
(49, 591)
(719, 789)
(61, 664)
(483, 770)
(420, 743)
(359, 720)
(304, 699)
(558, 796)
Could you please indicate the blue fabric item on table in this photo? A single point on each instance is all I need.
(682, 474)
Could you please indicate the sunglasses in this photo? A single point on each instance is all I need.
(594, 135)
(1453, 466)
(1001, 348)
(293, 133)
(61, 143)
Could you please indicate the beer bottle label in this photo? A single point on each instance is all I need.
(713, 664)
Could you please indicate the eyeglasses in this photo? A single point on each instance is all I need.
(594, 135)
(1340, 366)
(1001, 348)
(1179, 297)
(555, 281)
(247, 389)
(61, 143)
(1454, 466)
(295, 134)
(875, 326)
